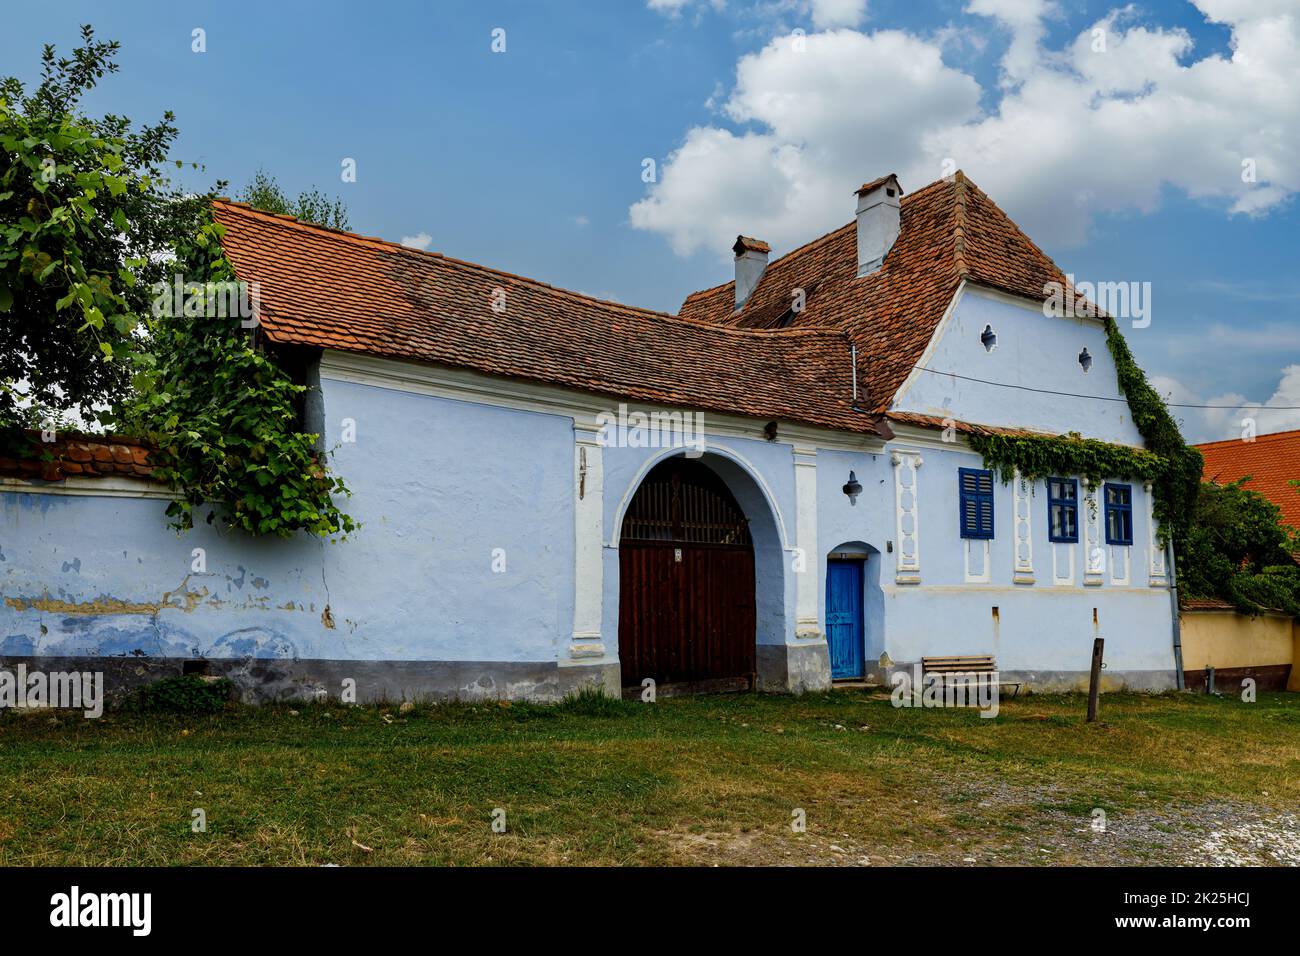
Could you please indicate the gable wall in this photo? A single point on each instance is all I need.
(1033, 351)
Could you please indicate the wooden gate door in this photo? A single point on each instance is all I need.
(844, 630)
(686, 582)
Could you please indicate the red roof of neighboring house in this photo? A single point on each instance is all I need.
(950, 231)
(323, 287)
(92, 456)
(1271, 461)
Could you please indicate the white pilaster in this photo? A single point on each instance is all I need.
(807, 623)
(589, 528)
(1094, 550)
(1023, 538)
(907, 569)
(1156, 575)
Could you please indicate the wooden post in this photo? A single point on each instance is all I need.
(1094, 679)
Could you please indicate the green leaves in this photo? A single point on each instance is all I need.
(1038, 457)
(1178, 485)
(1230, 542)
(225, 417)
(84, 225)
(1237, 549)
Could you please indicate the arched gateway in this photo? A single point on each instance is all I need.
(687, 613)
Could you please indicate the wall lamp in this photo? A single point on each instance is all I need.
(853, 488)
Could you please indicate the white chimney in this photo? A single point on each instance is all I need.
(751, 261)
(877, 222)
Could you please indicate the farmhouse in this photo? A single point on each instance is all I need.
(533, 521)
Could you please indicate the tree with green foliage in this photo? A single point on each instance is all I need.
(312, 205)
(86, 217)
(1237, 550)
(95, 243)
(225, 415)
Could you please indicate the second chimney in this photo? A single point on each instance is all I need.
(751, 261)
(878, 221)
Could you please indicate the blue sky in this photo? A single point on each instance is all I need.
(531, 160)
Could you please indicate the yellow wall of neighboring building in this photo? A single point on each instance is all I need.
(1225, 639)
(1295, 656)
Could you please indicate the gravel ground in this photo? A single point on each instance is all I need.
(1016, 826)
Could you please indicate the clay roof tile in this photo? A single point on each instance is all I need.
(339, 290)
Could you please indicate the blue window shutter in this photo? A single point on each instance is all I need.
(975, 490)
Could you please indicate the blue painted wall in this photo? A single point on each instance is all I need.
(440, 485)
(1043, 626)
(437, 485)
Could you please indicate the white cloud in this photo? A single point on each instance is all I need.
(825, 14)
(1024, 18)
(1231, 414)
(828, 14)
(1076, 131)
(673, 8)
(580, 221)
(420, 240)
(819, 138)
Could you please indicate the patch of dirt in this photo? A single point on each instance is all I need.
(1006, 825)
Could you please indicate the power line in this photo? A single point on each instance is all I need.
(1100, 398)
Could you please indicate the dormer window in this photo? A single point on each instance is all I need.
(1085, 360)
(989, 338)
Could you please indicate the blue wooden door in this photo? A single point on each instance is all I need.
(844, 617)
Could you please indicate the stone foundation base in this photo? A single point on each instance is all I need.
(271, 680)
(793, 668)
(1064, 682)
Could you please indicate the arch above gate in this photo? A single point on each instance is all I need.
(751, 474)
(684, 501)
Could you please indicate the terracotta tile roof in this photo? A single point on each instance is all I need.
(1204, 604)
(91, 456)
(966, 428)
(950, 231)
(322, 287)
(1270, 460)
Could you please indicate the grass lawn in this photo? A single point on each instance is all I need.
(685, 781)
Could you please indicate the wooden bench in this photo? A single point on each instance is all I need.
(971, 664)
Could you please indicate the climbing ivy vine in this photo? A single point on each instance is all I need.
(224, 414)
